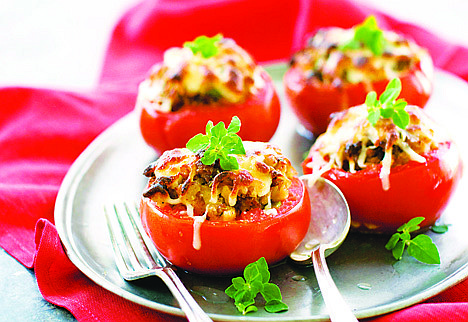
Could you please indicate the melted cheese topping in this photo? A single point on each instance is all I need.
(262, 181)
(323, 62)
(186, 78)
(351, 143)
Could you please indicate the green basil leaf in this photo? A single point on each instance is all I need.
(373, 116)
(208, 128)
(398, 250)
(400, 104)
(206, 46)
(276, 306)
(227, 141)
(256, 286)
(424, 250)
(228, 162)
(231, 291)
(240, 296)
(414, 222)
(387, 112)
(243, 306)
(209, 157)
(370, 23)
(236, 146)
(219, 130)
(392, 241)
(391, 92)
(251, 273)
(219, 143)
(440, 229)
(238, 282)
(369, 34)
(249, 309)
(401, 118)
(405, 236)
(378, 43)
(198, 142)
(235, 125)
(411, 224)
(262, 266)
(271, 292)
(256, 276)
(371, 99)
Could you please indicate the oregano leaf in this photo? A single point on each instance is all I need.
(255, 280)
(424, 250)
(421, 247)
(219, 143)
(398, 250)
(401, 118)
(373, 116)
(392, 241)
(206, 46)
(387, 106)
(440, 229)
(276, 306)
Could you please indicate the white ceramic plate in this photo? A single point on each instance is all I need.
(110, 170)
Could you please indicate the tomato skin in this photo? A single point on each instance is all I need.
(416, 189)
(313, 102)
(228, 246)
(259, 115)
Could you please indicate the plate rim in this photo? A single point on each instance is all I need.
(66, 195)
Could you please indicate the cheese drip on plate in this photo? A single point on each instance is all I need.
(351, 143)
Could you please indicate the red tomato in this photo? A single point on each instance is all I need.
(259, 115)
(314, 102)
(416, 189)
(228, 246)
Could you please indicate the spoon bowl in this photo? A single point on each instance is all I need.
(330, 219)
(329, 226)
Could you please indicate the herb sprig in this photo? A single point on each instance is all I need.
(420, 247)
(219, 143)
(256, 280)
(206, 46)
(440, 229)
(387, 106)
(369, 35)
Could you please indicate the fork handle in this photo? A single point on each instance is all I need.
(189, 306)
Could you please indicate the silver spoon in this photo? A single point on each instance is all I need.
(328, 228)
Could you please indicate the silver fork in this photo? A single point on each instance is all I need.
(136, 257)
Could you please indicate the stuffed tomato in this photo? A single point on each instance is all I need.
(338, 67)
(207, 79)
(208, 220)
(388, 174)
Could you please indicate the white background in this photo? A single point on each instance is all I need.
(61, 43)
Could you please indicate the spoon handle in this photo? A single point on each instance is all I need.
(338, 309)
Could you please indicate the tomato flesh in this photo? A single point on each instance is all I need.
(228, 246)
(259, 116)
(416, 189)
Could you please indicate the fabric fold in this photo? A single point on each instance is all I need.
(62, 284)
(41, 133)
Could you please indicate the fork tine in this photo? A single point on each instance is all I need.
(132, 241)
(122, 257)
(150, 249)
(138, 241)
(132, 268)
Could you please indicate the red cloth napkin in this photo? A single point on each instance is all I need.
(42, 131)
